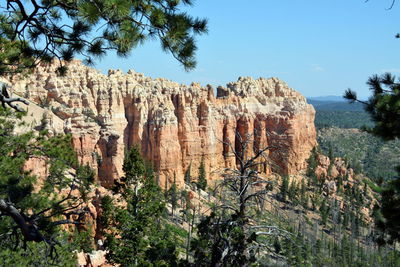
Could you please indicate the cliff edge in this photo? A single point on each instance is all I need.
(176, 125)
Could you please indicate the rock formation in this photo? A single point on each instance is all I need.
(174, 124)
(332, 169)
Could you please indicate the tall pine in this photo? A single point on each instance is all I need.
(202, 180)
(143, 239)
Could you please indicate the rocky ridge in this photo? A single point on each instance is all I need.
(175, 125)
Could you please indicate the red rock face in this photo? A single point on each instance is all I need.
(175, 125)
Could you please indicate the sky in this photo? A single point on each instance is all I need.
(318, 47)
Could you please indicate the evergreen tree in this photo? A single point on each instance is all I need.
(277, 246)
(143, 237)
(292, 193)
(318, 255)
(39, 31)
(340, 184)
(108, 213)
(202, 180)
(330, 153)
(346, 218)
(324, 210)
(284, 189)
(184, 197)
(330, 168)
(166, 189)
(346, 250)
(32, 210)
(173, 195)
(383, 107)
(134, 167)
(303, 194)
(312, 163)
(188, 175)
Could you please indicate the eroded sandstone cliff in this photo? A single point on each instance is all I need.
(176, 125)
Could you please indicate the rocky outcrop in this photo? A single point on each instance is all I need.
(96, 258)
(174, 124)
(332, 169)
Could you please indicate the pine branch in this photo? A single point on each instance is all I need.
(5, 99)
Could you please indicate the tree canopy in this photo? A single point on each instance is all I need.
(384, 109)
(33, 208)
(383, 106)
(36, 31)
(143, 239)
(41, 30)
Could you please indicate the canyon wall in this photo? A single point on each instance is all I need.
(175, 125)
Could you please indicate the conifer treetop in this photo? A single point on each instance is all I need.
(42, 30)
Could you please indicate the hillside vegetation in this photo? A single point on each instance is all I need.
(244, 219)
(311, 221)
(339, 114)
(335, 105)
(364, 152)
(341, 119)
(338, 126)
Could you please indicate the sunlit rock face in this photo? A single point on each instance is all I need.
(175, 125)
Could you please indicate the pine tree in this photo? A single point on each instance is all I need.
(312, 163)
(32, 211)
(346, 250)
(324, 210)
(34, 32)
(346, 218)
(183, 196)
(107, 213)
(318, 255)
(303, 194)
(143, 237)
(340, 184)
(166, 188)
(188, 175)
(277, 246)
(173, 195)
(330, 153)
(284, 189)
(134, 167)
(330, 168)
(292, 193)
(382, 106)
(202, 180)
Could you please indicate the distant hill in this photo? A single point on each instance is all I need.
(329, 98)
(339, 114)
(326, 105)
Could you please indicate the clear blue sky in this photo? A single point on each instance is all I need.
(318, 47)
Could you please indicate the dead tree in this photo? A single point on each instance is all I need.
(231, 235)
